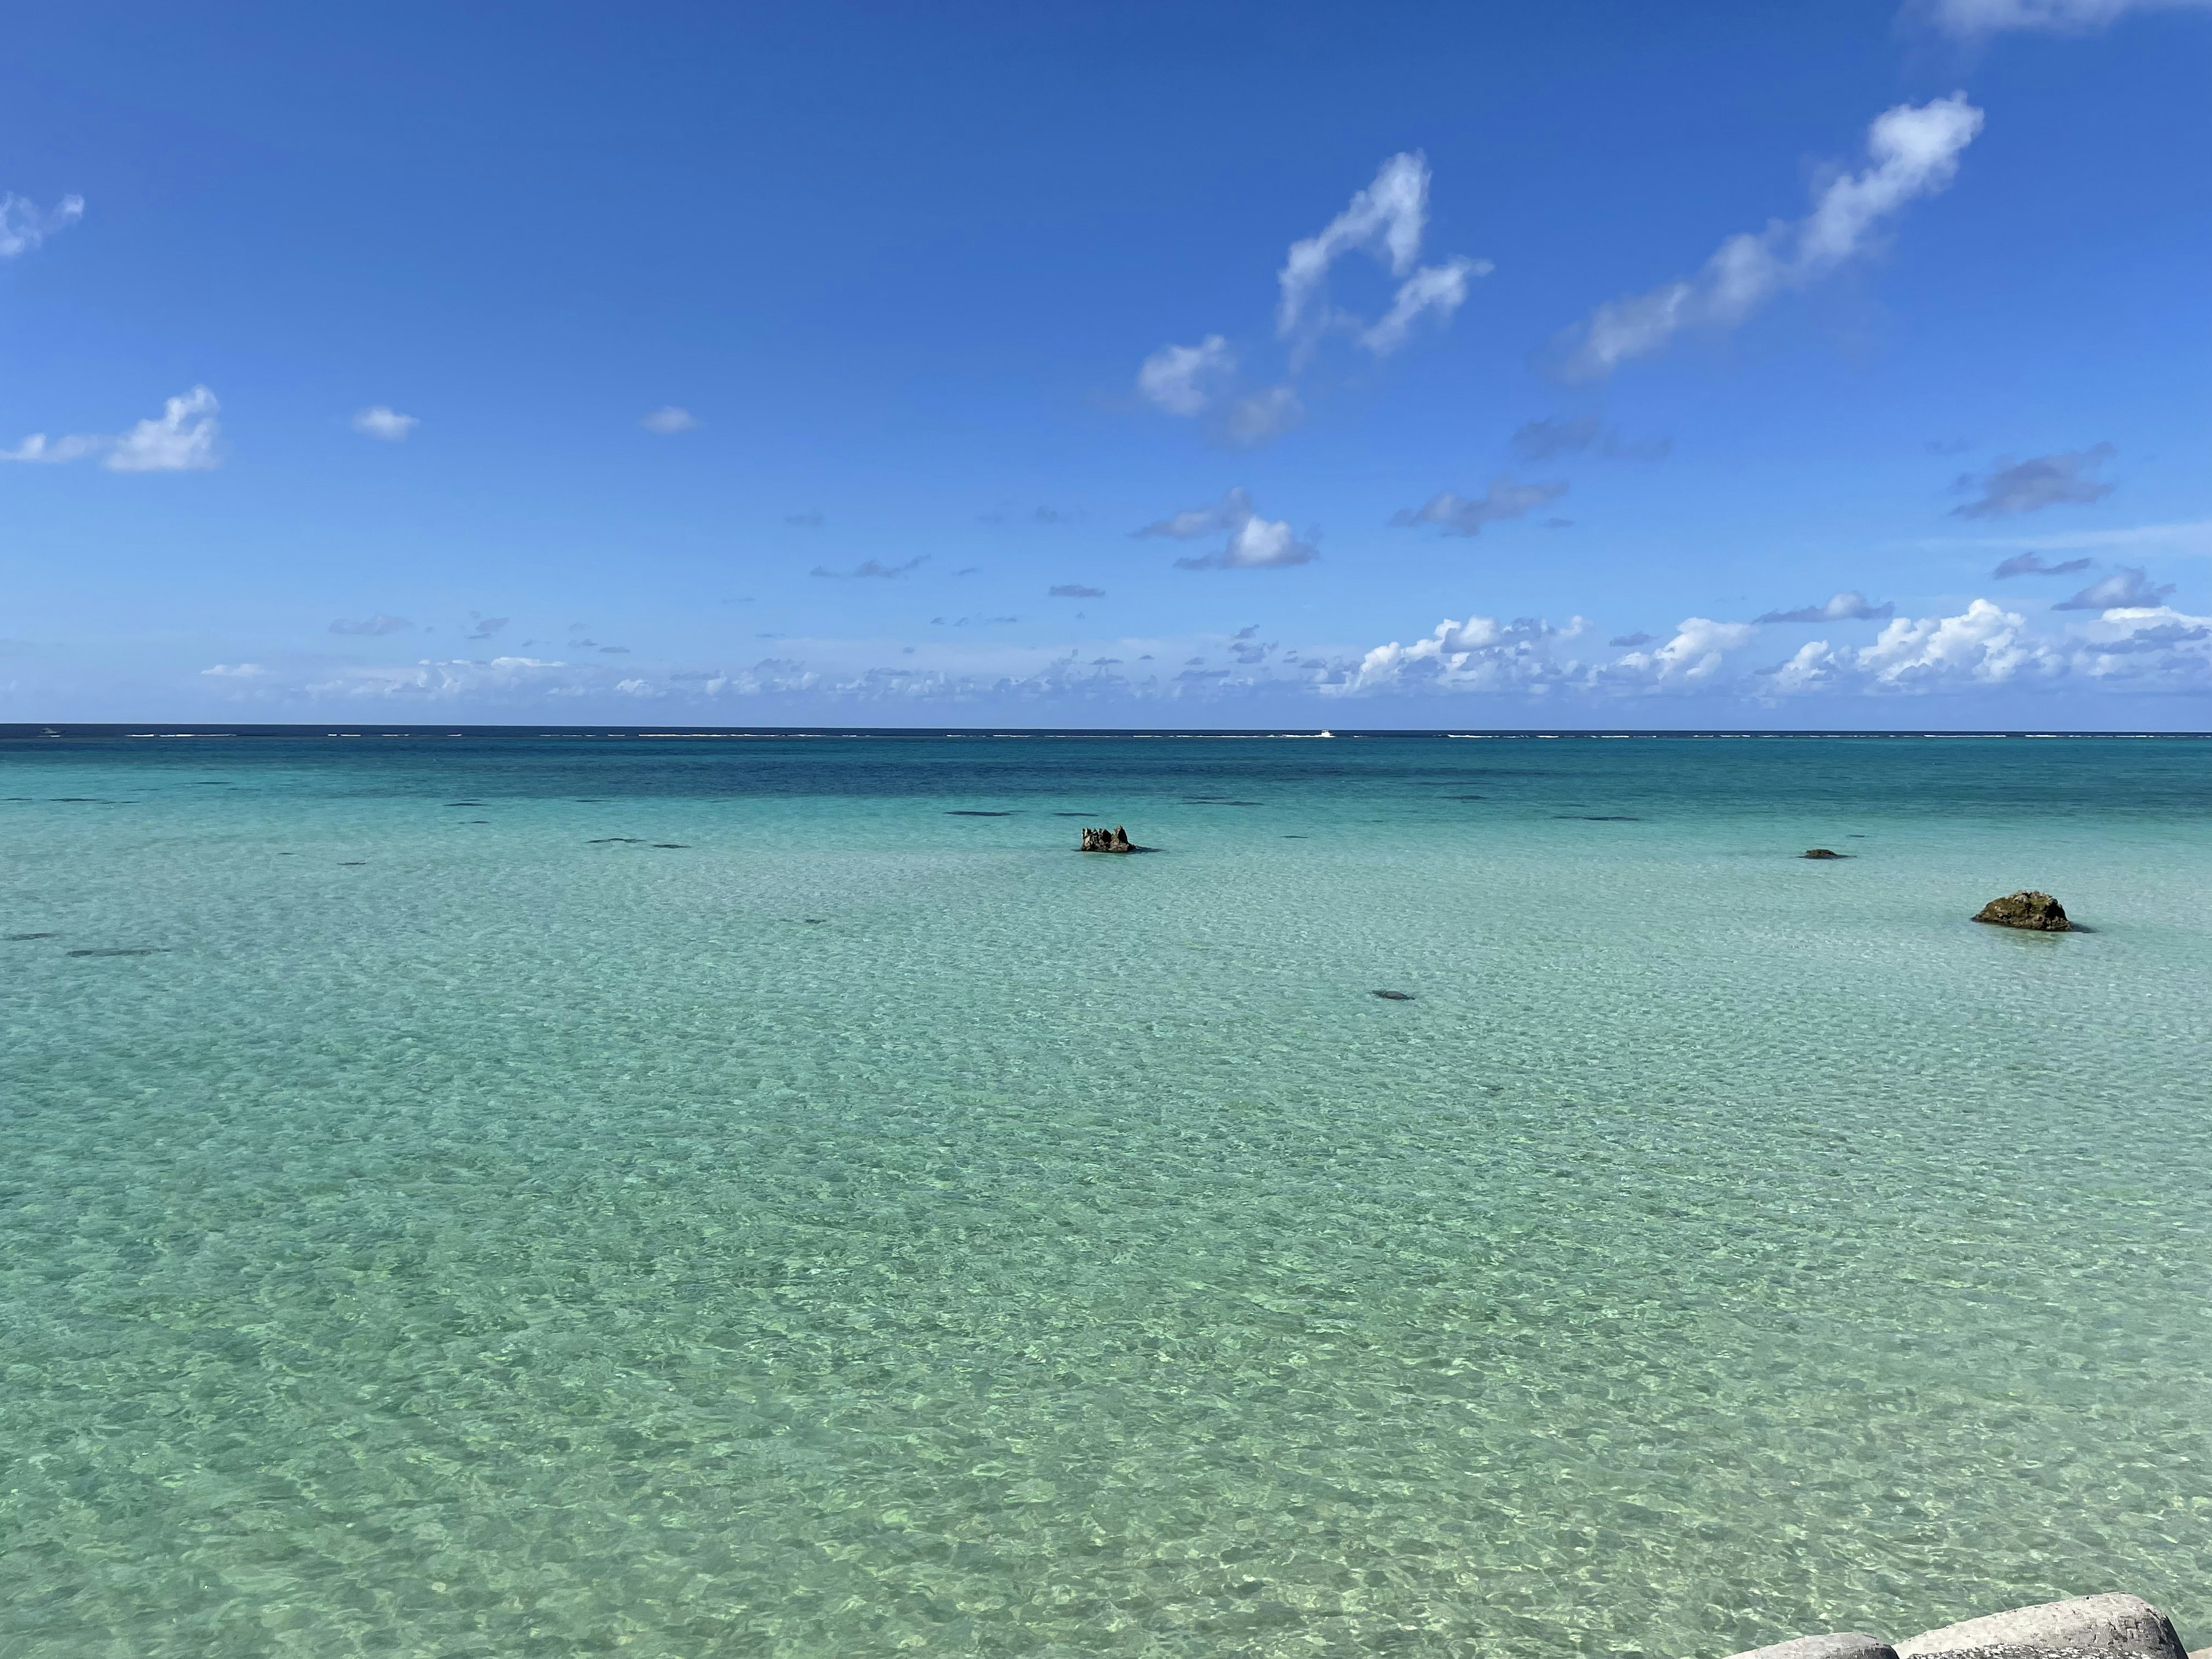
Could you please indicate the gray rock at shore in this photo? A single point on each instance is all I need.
(1819, 853)
(1115, 839)
(2038, 912)
(2104, 1626)
(1847, 1645)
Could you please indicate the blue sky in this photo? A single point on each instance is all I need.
(1593, 364)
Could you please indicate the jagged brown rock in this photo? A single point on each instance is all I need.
(2038, 912)
(1115, 839)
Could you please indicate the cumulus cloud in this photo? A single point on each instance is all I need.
(1550, 438)
(1183, 380)
(2035, 564)
(23, 226)
(380, 422)
(1253, 543)
(183, 438)
(378, 624)
(1913, 151)
(2039, 482)
(1842, 607)
(1458, 516)
(2126, 588)
(1977, 20)
(1982, 645)
(670, 419)
(1075, 591)
(874, 570)
(1693, 657)
(1478, 654)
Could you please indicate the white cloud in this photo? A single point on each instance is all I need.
(39, 448)
(381, 421)
(1984, 645)
(1387, 220)
(2143, 647)
(1693, 657)
(670, 419)
(182, 439)
(1253, 543)
(23, 226)
(1480, 654)
(1458, 516)
(1914, 151)
(1184, 380)
(1977, 20)
(1441, 288)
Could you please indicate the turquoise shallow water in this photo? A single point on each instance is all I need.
(863, 1229)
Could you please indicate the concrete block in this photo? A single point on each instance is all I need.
(1850, 1644)
(2107, 1627)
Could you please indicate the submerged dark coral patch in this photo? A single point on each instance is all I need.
(18, 937)
(1393, 996)
(120, 951)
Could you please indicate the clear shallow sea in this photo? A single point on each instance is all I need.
(862, 1229)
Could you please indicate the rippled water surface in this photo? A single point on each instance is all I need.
(506, 1197)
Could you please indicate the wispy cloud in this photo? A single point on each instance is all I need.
(486, 626)
(1184, 380)
(378, 624)
(1457, 515)
(381, 421)
(23, 226)
(1075, 591)
(670, 419)
(1387, 221)
(874, 570)
(1913, 150)
(813, 520)
(2192, 536)
(2039, 482)
(1842, 607)
(1548, 438)
(183, 438)
(1253, 543)
(2126, 588)
(1977, 20)
(2035, 564)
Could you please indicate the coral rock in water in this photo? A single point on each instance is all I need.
(1115, 839)
(2038, 911)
